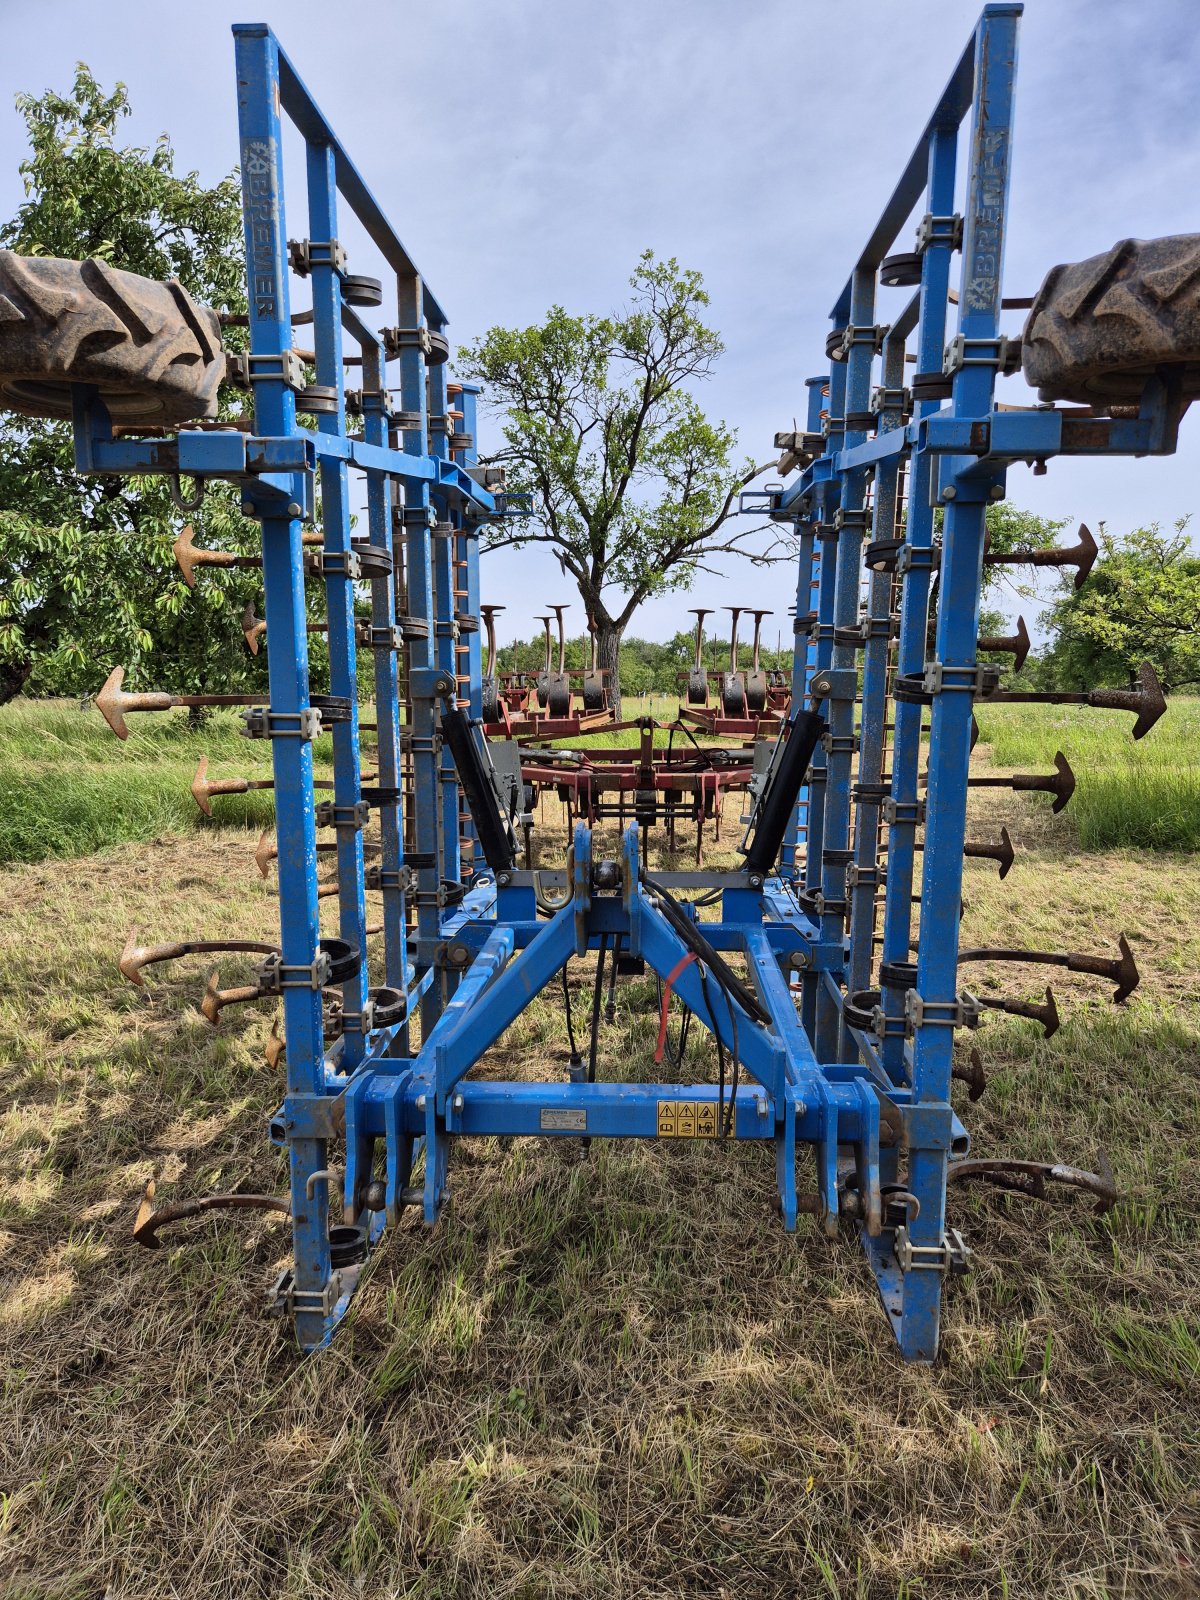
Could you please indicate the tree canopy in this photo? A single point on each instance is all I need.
(1141, 603)
(87, 579)
(632, 484)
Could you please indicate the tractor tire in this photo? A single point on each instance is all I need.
(1099, 329)
(153, 354)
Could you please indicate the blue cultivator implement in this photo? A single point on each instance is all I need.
(887, 491)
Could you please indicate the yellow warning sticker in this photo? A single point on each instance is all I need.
(687, 1119)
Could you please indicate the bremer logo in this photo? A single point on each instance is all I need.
(258, 167)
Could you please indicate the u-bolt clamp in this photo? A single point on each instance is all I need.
(330, 1175)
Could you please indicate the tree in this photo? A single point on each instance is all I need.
(1141, 603)
(632, 484)
(87, 580)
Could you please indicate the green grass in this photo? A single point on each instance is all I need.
(596, 1378)
(1142, 795)
(70, 787)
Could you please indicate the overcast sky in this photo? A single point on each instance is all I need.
(528, 150)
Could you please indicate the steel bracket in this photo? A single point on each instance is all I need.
(834, 683)
(263, 723)
(845, 518)
(400, 879)
(982, 678)
(944, 231)
(305, 254)
(964, 1011)
(340, 564)
(262, 367)
(903, 813)
(918, 558)
(376, 636)
(328, 814)
(274, 975)
(953, 1255)
(285, 1300)
(314, 1116)
(1003, 352)
(888, 399)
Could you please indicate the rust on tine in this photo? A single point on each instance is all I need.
(1015, 644)
(1146, 700)
(216, 999)
(149, 1221)
(275, 1048)
(1081, 556)
(1046, 1014)
(112, 703)
(189, 556)
(252, 627)
(1060, 783)
(136, 956)
(203, 788)
(971, 1073)
(1120, 969)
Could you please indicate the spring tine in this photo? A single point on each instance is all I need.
(148, 1221)
(1061, 785)
(136, 956)
(1121, 970)
(1030, 1177)
(112, 703)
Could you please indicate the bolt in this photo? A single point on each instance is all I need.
(756, 881)
(503, 879)
(949, 492)
(421, 1102)
(247, 508)
(996, 492)
(458, 1102)
(798, 958)
(762, 1106)
(293, 509)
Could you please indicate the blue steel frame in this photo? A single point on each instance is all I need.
(865, 1101)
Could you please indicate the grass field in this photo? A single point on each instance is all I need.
(610, 1377)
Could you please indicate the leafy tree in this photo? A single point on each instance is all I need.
(87, 580)
(632, 484)
(1141, 603)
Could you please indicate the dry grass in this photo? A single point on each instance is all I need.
(612, 1377)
